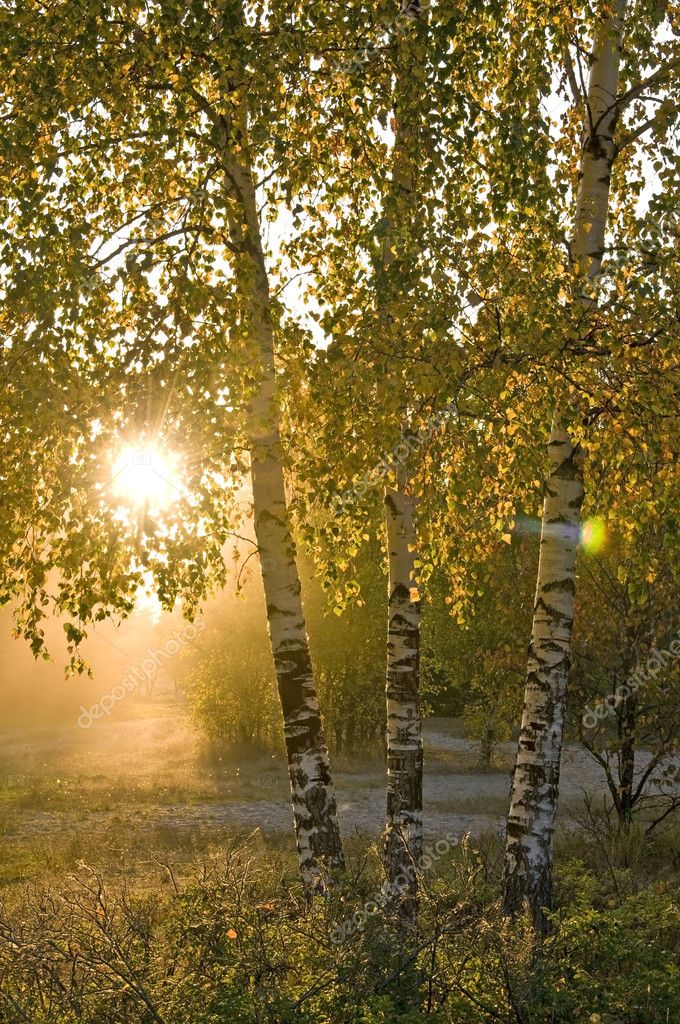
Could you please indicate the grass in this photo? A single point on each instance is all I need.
(120, 851)
(464, 762)
(490, 804)
(126, 770)
(128, 899)
(198, 935)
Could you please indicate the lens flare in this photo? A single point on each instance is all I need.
(593, 535)
(145, 476)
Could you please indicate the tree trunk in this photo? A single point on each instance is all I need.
(404, 746)
(533, 801)
(314, 806)
(404, 833)
(528, 858)
(627, 721)
(487, 745)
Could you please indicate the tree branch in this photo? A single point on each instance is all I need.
(657, 76)
(660, 120)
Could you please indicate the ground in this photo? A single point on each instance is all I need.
(144, 786)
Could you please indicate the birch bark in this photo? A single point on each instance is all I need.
(314, 806)
(533, 799)
(404, 833)
(404, 817)
(533, 802)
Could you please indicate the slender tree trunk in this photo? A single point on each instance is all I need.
(627, 723)
(404, 747)
(528, 858)
(533, 800)
(404, 834)
(487, 745)
(314, 806)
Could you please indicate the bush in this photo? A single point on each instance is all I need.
(239, 943)
(232, 695)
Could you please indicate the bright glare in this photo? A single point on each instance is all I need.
(145, 476)
(593, 535)
(146, 601)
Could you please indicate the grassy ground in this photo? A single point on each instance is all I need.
(141, 785)
(134, 787)
(144, 880)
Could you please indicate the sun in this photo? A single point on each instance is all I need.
(145, 476)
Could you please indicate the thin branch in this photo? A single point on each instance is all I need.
(577, 93)
(674, 806)
(657, 76)
(16, 1006)
(660, 120)
(141, 241)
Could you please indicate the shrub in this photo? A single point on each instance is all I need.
(239, 943)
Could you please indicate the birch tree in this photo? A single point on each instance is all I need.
(398, 354)
(314, 806)
(404, 745)
(404, 834)
(528, 864)
(536, 775)
(145, 184)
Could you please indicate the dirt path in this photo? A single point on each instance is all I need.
(147, 773)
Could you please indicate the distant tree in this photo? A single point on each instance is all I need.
(348, 649)
(495, 660)
(230, 684)
(626, 675)
(474, 669)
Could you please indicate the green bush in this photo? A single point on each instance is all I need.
(239, 944)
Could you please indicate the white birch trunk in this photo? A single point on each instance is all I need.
(533, 800)
(404, 833)
(314, 805)
(404, 817)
